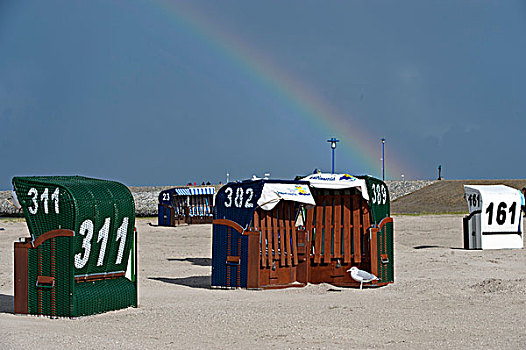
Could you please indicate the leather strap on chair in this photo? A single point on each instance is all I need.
(45, 282)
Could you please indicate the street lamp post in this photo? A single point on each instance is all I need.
(333, 146)
(383, 159)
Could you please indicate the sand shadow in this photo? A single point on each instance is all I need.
(203, 282)
(167, 226)
(434, 247)
(195, 261)
(7, 304)
(429, 246)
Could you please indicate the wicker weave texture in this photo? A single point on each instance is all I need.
(52, 258)
(102, 215)
(105, 295)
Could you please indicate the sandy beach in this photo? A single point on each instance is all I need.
(443, 297)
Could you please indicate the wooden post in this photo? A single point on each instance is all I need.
(287, 227)
(346, 229)
(294, 234)
(274, 234)
(337, 227)
(318, 232)
(373, 250)
(253, 259)
(356, 226)
(327, 255)
(21, 276)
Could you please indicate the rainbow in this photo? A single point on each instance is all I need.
(357, 142)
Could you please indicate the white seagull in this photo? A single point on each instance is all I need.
(361, 276)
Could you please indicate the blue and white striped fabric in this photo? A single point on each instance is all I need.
(201, 190)
(182, 191)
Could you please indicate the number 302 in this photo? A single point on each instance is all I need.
(238, 200)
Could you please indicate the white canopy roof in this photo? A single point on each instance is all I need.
(488, 193)
(272, 193)
(493, 190)
(337, 181)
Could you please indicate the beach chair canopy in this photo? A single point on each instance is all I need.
(272, 193)
(337, 181)
(499, 206)
(167, 195)
(238, 200)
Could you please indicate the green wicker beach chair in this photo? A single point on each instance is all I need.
(80, 258)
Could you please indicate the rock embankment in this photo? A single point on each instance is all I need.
(400, 188)
(6, 208)
(146, 197)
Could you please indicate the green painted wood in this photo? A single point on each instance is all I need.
(380, 208)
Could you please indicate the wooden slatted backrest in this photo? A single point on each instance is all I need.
(263, 221)
(356, 229)
(339, 225)
(294, 234)
(278, 235)
(366, 224)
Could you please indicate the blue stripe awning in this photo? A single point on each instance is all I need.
(182, 191)
(201, 190)
(194, 191)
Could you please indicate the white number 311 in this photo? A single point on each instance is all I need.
(44, 198)
(86, 230)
